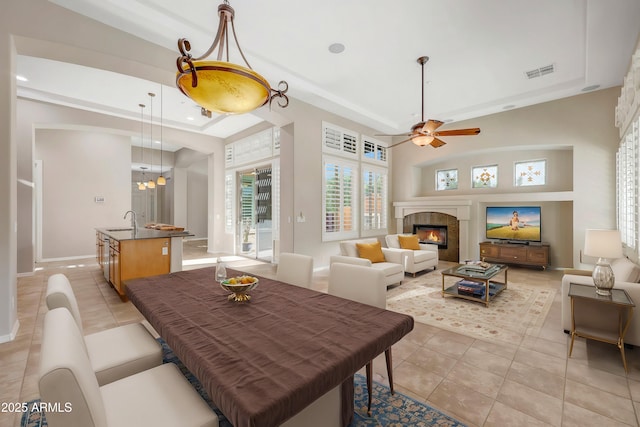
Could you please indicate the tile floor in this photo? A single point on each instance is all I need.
(480, 383)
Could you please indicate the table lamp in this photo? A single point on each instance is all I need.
(604, 244)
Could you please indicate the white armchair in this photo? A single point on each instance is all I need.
(416, 260)
(392, 267)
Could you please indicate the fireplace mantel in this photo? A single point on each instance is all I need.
(460, 209)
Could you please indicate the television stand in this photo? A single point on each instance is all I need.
(515, 253)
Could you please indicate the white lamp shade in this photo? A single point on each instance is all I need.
(603, 244)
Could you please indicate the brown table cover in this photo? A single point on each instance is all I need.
(263, 361)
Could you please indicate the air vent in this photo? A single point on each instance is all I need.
(539, 72)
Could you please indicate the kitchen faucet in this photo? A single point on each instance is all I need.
(134, 222)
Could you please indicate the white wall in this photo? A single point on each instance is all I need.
(197, 199)
(77, 167)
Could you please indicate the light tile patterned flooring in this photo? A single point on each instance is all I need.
(480, 383)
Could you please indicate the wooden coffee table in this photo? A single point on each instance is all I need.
(491, 287)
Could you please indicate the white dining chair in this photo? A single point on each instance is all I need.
(295, 269)
(159, 397)
(114, 353)
(365, 285)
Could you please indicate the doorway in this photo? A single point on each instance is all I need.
(255, 221)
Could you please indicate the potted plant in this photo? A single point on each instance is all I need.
(246, 229)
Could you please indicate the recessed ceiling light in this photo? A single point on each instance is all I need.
(190, 118)
(508, 107)
(336, 48)
(21, 78)
(590, 88)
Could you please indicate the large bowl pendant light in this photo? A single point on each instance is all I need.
(221, 86)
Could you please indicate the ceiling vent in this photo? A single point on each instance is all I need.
(539, 72)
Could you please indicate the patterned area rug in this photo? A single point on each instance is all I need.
(518, 311)
(386, 410)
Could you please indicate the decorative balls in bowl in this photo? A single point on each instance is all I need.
(240, 286)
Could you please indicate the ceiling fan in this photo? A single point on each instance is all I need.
(425, 132)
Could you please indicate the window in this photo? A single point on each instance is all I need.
(484, 176)
(374, 206)
(348, 158)
(229, 197)
(339, 141)
(531, 172)
(374, 151)
(447, 179)
(627, 186)
(339, 205)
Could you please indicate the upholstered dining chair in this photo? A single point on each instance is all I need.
(114, 353)
(295, 269)
(366, 285)
(159, 397)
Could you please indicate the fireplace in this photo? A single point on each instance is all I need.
(434, 234)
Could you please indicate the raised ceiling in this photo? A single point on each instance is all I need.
(480, 54)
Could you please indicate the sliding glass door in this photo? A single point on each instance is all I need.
(255, 222)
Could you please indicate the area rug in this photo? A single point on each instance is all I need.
(386, 410)
(518, 311)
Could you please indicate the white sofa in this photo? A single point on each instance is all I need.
(627, 276)
(392, 267)
(416, 260)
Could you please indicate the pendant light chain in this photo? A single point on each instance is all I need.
(151, 183)
(142, 185)
(161, 179)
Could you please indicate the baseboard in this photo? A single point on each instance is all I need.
(70, 258)
(27, 274)
(12, 335)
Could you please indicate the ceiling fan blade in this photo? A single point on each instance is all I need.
(458, 132)
(437, 143)
(395, 134)
(431, 125)
(398, 143)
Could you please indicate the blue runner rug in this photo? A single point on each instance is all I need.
(386, 410)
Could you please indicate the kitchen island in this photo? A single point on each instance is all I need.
(126, 254)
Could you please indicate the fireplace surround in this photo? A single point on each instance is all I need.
(458, 210)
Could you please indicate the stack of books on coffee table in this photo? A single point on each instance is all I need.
(474, 289)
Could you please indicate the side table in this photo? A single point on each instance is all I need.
(604, 333)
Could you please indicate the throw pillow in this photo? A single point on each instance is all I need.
(371, 251)
(625, 270)
(409, 242)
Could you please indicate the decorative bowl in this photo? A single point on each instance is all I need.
(240, 290)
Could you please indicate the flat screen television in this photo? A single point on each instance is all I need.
(514, 223)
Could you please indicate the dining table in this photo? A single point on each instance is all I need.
(264, 360)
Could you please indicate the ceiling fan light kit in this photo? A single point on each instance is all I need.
(425, 133)
(220, 85)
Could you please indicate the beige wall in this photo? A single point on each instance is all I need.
(37, 116)
(8, 183)
(580, 127)
(77, 167)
